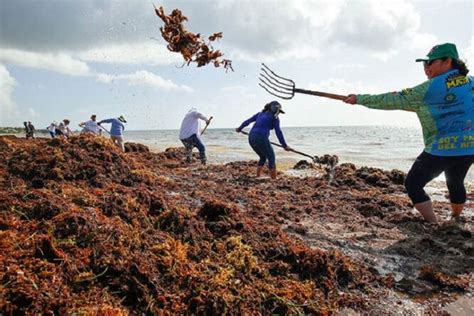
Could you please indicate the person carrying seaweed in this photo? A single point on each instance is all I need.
(265, 121)
(444, 106)
(189, 134)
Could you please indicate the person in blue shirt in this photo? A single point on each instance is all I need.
(116, 130)
(444, 105)
(265, 121)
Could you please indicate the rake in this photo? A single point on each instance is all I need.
(285, 88)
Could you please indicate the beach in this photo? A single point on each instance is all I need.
(88, 229)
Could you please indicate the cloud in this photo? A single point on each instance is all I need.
(32, 113)
(340, 86)
(256, 30)
(422, 41)
(302, 29)
(8, 109)
(147, 53)
(51, 26)
(252, 30)
(349, 66)
(58, 62)
(144, 78)
(375, 25)
(467, 53)
(65, 64)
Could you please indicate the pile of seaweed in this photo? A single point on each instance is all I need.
(88, 229)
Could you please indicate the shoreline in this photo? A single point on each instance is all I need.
(436, 188)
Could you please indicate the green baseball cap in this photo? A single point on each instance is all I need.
(441, 51)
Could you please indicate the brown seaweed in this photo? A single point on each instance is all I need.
(88, 229)
(190, 45)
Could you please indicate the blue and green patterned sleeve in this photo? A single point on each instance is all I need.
(409, 99)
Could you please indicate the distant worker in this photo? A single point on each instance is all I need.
(116, 130)
(444, 106)
(91, 126)
(265, 121)
(32, 130)
(190, 135)
(63, 129)
(27, 130)
(52, 129)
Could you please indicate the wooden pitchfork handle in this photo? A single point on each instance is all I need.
(291, 149)
(207, 124)
(322, 94)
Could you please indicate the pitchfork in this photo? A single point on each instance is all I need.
(285, 88)
(314, 158)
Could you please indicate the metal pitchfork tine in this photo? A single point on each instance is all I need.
(285, 88)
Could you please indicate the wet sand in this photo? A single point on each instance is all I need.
(87, 229)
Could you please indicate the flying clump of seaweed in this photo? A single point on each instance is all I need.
(191, 46)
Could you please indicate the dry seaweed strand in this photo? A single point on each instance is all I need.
(191, 46)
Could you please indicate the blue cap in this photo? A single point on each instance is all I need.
(275, 107)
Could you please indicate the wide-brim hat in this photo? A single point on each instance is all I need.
(122, 119)
(441, 51)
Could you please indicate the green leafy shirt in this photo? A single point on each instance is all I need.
(410, 99)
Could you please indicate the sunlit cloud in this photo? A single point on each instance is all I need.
(144, 78)
(57, 62)
(8, 109)
(147, 53)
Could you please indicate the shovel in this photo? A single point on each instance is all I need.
(207, 124)
(315, 159)
(285, 88)
(104, 129)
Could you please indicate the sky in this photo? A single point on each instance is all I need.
(73, 58)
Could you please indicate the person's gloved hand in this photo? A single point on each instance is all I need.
(238, 130)
(288, 148)
(351, 99)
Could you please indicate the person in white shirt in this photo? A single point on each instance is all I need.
(52, 129)
(91, 126)
(189, 134)
(63, 129)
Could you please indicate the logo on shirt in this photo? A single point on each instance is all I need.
(450, 98)
(456, 81)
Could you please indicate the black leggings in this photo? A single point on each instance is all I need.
(427, 167)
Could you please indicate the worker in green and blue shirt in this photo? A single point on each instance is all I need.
(445, 107)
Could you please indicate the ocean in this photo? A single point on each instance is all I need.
(373, 146)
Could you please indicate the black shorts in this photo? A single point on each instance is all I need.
(427, 167)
